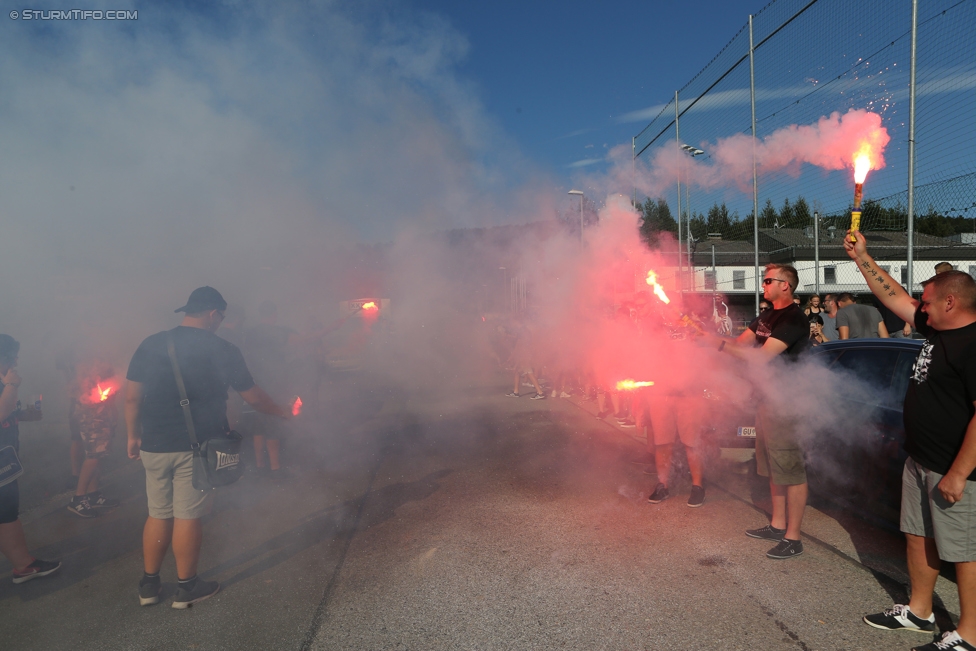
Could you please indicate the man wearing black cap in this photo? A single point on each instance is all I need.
(158, 435)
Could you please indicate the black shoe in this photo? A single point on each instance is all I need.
(201, 590)
(659, 495)
(36, 569)
(99, 501)
(697, 497)
(948, 642)
(603, 414)
(900, 618)
(769, 532)
(149, 590)
(785, 549)
(627, 424)
(81, 507)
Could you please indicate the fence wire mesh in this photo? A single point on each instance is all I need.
(811, 59)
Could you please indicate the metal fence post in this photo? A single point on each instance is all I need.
(816, 251)
(755, 178)
(910, 277)
(677, 141)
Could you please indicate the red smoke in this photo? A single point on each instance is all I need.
(830, 144)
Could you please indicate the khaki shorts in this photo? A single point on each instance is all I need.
(169, 486)
(778, 454)
(673, 417)
(924, 512)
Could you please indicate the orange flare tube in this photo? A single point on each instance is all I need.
(630, 385)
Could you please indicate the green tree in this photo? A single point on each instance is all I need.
(787, 217)
(655, 219)
(802, 213)
(768, 216)
(719, 220)
(699, 227)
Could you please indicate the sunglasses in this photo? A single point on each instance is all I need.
(769, 281)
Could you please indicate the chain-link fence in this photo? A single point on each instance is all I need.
(811, 59)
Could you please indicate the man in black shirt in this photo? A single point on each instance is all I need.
(782, 331)
(938, 483)
(158, 435)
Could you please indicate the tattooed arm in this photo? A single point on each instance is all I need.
(893, 295)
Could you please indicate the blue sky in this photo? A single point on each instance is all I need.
(565, 78)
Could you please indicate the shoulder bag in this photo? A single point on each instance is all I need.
(216, 461)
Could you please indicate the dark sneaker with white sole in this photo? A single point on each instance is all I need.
(149, 590)
(769, 532)
(538, 396)
(900, 618)
(697, 497)
(786, 549)
(513, 395)
(36, 569)
(99, 501)
(201, 590)
(659, 495)
(948, 642)
(82, 508)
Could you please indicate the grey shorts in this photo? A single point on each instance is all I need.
(778, 453)
(924, 512)
(169, 486)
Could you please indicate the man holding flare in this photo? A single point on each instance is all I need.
(782, 331)
(938, 504)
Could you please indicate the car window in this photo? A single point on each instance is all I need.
(901, 377)
(874, 366)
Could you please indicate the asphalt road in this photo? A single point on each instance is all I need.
(464, 520)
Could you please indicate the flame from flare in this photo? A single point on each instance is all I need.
(862, 163)
(658, 290)
(630, 385)
(369, 306)
(99, 394)
(296, 407)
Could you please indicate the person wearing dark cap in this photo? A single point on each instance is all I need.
(157, 434)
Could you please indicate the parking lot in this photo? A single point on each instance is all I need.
(467, 520)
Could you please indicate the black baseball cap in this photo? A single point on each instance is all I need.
(203, 299)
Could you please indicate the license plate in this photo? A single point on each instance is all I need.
(747, 431)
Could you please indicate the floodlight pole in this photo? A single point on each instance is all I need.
(755, 179)
(911, 155)
(580, 193)
(677, 143)
(816, 252)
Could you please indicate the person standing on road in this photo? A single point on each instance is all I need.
(13, 544)
(938, 499)
(829, 317)
(158, 435)
(855, 321)
(782, 331)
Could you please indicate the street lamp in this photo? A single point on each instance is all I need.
(691, 151)
(580, 193)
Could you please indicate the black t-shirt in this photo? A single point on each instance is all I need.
(10, 430)
(789, 324)
(939, 402)
(208, 365)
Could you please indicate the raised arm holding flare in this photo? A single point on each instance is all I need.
(938, 499)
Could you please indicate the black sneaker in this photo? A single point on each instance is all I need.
(602, 415)
(628, 424)
(99, 501)
(81, 507)
(149, 590)
(659, 495)
(948, 642)
(513, 394)
(769, 532)
(785, 549)
(201, 590)
(538, 396)
(900, 618)
(697, 497)
(36, 569)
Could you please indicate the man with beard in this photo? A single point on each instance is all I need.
(938, 491)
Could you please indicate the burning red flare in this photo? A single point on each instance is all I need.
(369, 306)
(296, 407)
(658, 290)
(630, 385)
(100, 393)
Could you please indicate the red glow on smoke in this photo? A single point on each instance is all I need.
(296, 407)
